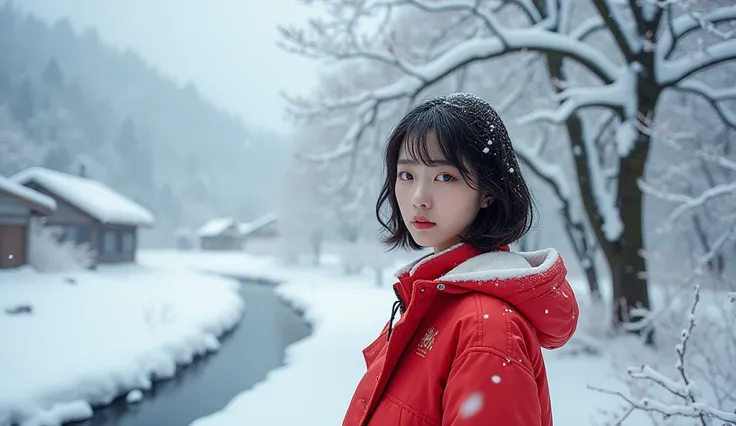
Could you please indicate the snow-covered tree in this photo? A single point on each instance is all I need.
(17, 151)
(48, 252)
(701, 192)
(609, 62)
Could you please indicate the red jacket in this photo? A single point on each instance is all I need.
(467, 349)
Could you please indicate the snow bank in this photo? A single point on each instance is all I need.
(91, 337)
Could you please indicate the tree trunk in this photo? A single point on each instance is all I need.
(316, 247)
(629, 269)
(628, 265)
(592, 276)
(575, 136)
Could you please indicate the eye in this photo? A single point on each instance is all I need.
(405, 176)
(445, 177)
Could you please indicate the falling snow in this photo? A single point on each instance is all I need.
(496, 379)
(134, 396)
(472, 405)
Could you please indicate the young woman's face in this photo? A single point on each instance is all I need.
(436, 203)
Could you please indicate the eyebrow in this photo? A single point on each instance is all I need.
(431, 163)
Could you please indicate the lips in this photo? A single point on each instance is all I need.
(421, 222)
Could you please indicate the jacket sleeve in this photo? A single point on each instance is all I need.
(483, 388)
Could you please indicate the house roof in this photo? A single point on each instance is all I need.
(215, 227)
(90, 196)
(247, 228)
(41, 203)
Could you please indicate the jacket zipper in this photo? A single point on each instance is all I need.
(394, 309)
(402, 306)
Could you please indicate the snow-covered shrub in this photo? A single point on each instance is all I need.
(47, 253)
(700, 388)
(370, 254)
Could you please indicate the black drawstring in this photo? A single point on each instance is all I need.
(394, 310)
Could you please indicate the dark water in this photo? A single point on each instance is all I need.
(246, 355)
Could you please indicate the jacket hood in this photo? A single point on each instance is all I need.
(533, 282)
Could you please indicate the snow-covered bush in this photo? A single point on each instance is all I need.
(701, 387)
(364, 254)
(48, 253)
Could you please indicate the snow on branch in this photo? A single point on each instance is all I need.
(619, 95)
(687, 203)
(552, 173)
(713, 96)
(671, 72)
(587, 27)
(299, 42)
(692, 404)
(348, 145)
(604, 198)
(691, 21)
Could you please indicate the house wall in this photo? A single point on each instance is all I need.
(117, 243)
(14, 218)
(221, 242)
(270, 230)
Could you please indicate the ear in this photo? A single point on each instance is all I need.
(485, 201)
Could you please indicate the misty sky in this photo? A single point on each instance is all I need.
(227, 47)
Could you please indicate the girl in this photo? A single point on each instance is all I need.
(474, 316)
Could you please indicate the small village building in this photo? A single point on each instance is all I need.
(263, 228)
(90, 212)
(220, 234)
(18, 205)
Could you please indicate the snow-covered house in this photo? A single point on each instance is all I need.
(220, 234)
(265, 227)
(90, 212)
(262, 236)
(17, 205)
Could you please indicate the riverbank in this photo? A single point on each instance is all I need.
(77, 340)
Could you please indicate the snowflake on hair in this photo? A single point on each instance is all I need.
(482, 116)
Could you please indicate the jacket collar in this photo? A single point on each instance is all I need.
(432, 267)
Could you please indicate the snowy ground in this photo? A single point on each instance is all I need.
(322, 370)
(92, 336)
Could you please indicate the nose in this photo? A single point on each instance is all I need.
(421, 197)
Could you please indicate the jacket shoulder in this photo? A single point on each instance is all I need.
(485, 322)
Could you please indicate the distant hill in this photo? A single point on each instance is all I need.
(69, 102)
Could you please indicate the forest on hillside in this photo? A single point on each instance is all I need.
(70, 102)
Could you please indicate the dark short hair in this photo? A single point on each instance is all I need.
(472, 136)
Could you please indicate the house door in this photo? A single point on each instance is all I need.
(13, 245)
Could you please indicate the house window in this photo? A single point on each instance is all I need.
(109, 240)
(82, 234)
(128, 241)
